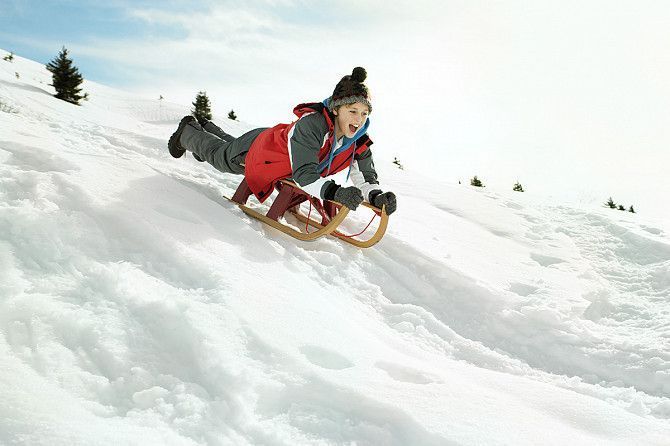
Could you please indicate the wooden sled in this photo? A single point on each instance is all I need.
(290, 197)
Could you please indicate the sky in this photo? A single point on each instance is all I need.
(570, 98)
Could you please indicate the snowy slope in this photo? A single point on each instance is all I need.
(138, 306)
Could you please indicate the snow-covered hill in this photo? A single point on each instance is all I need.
(138, 306)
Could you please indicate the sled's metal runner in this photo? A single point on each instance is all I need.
(289, 198)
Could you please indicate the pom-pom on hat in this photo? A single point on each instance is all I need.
(350, 89)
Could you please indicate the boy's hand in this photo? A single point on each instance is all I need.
(387, 199)
(350, 196)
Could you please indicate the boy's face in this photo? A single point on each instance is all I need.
(349, 118)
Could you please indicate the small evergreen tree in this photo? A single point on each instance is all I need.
(517, 187)
(610, 203)
(397, 163)
(621, 208)
(66, 78)
(16, 73)
(9, 57)
(201, 110)
(232, 115)
(476, 182)
(630, 209)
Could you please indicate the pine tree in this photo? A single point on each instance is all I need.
(611, 203)
(66, 78)
(476, 182)
(621, 208)
(631, 209)
(397, 163)
(9, 57)
(232, 115)
(517, 187)
(202, 110)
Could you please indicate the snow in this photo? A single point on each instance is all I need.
(139, 306)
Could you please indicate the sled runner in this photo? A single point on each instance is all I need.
(288, 200)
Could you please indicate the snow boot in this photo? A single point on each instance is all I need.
(176, 150)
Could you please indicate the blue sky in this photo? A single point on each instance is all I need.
(244, 51)
(557, 95)
(38, 29)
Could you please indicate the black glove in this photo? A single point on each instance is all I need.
(379, 199)
(350, 196)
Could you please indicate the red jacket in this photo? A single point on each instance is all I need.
(268, 159)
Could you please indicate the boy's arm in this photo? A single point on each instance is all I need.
(364, 175)
(305, 140)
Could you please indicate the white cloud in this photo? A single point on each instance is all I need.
(251, 56)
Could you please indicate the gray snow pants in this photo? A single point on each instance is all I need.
(223, 151)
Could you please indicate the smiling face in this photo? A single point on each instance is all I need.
(349, 118)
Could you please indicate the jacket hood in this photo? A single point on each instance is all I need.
(311, 107)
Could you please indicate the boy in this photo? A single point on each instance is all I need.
(327, 138)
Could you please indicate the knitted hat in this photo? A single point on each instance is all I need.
(350, 89)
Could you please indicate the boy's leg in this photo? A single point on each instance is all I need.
(214, 129)
(238, 148)
(224, 156)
